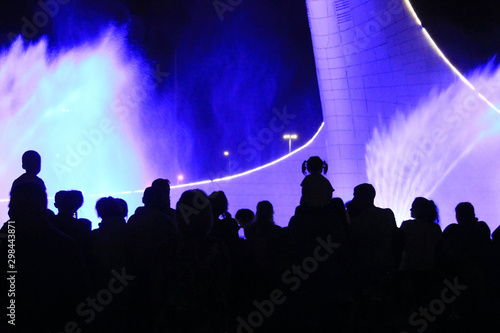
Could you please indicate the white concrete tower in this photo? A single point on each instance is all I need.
(372, 60)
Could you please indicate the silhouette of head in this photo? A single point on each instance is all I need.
(218, 200)
(108, 208)
(62, 202)
(364, 195)
(68, 202)
(194, 213)
(465, 213)
(152, 198)
(337, 206)
(351, 208)
(28, 202)
(264, 212)
(123, 207)
(244, 216)
(424, 209)
(164, 186)
(314, 165)
(76, 199)
(32, 162)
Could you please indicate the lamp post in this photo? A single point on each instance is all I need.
(290, 137)
(228, 166)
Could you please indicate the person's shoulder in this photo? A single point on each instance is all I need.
(436, 227)
(306, 180)
(85, 223)
(450, 229)
(40, 181)
(387, 213)
(141, 210)
(276, 227)
(407, 224)
(24, 178)
(483, 227)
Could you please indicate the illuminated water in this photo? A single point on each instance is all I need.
(445, 150)
(80, 109)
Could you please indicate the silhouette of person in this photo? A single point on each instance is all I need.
(337, 206)
(152, 222)
(68, 203)
(227, 227)
(244, 217)
(148, 228)
(374, 234)
(466, 242)
(108, 254)
(52, 278)
(421, 235)
(263, 225)
(164, 186)
(308, 227)
(373, 230)
(32, 163)
(123, 208)
(316, 189)
(421, 238)
(493, 282)
(464, 255)
(194, 270)
(267, 242)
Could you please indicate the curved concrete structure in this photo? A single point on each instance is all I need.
(372, 60)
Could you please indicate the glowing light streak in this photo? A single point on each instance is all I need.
(192, 185)
(445, 59)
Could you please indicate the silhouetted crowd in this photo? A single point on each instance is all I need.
(335, 268)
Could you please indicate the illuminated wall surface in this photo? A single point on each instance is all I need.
(396, 114)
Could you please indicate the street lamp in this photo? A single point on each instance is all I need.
(228, 165)
(290, 137)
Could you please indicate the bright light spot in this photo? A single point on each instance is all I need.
(290, 136)
(180, 177)
(413, 13)
(226, 153)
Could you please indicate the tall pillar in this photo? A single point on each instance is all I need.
(372, 61)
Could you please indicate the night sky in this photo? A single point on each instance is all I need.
(231, 73)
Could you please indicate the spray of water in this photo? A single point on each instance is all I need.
(81, 110)
(416, 154)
